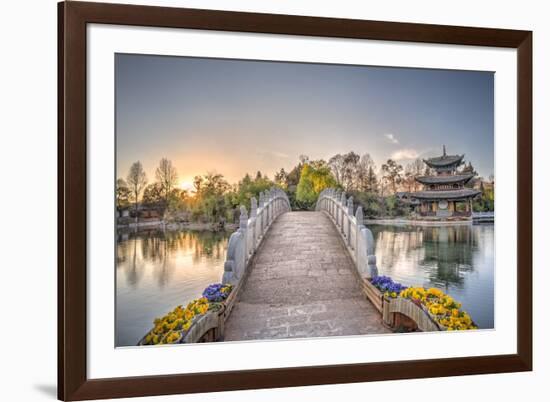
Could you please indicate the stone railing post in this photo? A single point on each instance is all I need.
(243, 227)
(254, 218)
(267, 209)
(343, 213)
(336, 209)
(351, 226)
(358, 225)
(332, 205)
(350, 206)
(264, 209)
(349, 214)
(270, 208)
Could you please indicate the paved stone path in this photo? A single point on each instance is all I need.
(301, 284)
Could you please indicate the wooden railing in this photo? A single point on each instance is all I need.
(357, 237)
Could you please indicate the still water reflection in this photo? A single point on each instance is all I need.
(457, 259)
(158, 270)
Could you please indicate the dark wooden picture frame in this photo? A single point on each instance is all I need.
(73, 383)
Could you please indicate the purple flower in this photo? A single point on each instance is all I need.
(216, 292)
(386, 284)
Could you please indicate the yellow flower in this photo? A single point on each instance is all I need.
(172, 337)
(189, 314)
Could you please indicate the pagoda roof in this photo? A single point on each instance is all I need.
(445, 179)
(444, 160)
(446, 194)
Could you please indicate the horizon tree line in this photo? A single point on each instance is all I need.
(215, 200)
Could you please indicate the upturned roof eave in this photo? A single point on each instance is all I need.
(447, 195)
(444, 179)
(443, 161)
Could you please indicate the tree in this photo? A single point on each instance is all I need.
(313, 180)
(248, 188)
(336, 164)
(408, 180)
(351, 162)
(392, 174)
(486, 200)
(122, 194)
(167, 177)
(370, 202)
(152, 194)
(412, 171)
(469, 169)
(346, 169)
(281, 178)
(365, 172)
(210, 200)
(137, 179)
(371, 183)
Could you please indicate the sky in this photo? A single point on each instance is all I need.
(238, 116)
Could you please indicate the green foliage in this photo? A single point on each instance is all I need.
(392, 174)
(391, 204)
(485, 202)
(376, 206)
(248, 188)
(314, 178)
(123, 194)
(371, 203)
(152, 194)
(210, 203)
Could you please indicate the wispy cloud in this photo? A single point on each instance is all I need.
(391, 138)
(404, 154)
(281, 155)
(273, 156)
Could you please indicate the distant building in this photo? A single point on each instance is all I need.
(444, 195)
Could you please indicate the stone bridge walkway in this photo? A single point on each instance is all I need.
(302, 284)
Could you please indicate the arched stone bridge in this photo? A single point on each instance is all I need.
(299, 274)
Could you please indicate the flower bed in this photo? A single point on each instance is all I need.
(173, 327)
(445, 311)
(217, 292)
(387, 286)
(439, 310)
(373, 294)
(380, 288)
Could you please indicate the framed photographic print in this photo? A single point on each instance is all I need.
(253, 200)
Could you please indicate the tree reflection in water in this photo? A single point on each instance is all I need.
(157, 248)
(457, 259)
(157, 270)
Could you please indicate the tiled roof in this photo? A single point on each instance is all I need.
(445, 160)
(444, 179)
(446, 194)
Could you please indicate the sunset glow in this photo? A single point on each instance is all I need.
(187, 186)
(237, 117)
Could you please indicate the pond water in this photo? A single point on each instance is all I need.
(457, 259)
(157, 271)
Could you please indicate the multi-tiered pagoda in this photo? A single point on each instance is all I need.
(444, 195)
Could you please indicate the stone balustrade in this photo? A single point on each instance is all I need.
(357, 237)
(244, 242)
